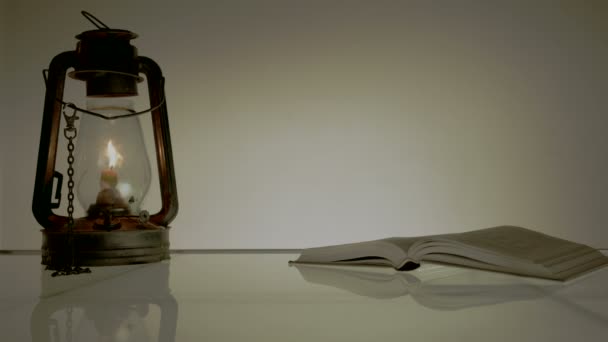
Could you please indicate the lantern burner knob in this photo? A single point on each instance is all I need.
(107, 220)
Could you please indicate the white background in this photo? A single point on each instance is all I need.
(301, 123)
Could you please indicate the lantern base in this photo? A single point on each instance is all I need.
(102, 248)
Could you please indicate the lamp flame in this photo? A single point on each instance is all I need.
(113, 156)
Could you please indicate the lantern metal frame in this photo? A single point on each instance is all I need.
(136, 241)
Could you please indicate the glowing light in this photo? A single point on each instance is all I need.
(125, 189)
(113, 156)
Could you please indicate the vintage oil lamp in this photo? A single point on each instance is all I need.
(108, 170)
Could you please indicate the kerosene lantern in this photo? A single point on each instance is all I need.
(108, 170)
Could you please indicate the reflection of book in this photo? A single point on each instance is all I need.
(435, 287)
(505, 249)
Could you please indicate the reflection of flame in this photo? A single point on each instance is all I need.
(113, 156)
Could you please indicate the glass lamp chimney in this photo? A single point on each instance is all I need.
(112, 165)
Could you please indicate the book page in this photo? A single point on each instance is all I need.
(370, 252)
(404, 243)
(517, 243)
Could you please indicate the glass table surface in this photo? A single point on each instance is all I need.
(258, 296)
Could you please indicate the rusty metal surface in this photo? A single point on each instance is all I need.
(99, 248)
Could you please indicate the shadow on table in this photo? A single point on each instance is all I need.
(433, 286)
(122, 303)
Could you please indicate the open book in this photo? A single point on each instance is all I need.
(506, 249)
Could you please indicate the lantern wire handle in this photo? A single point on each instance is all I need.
(105, 117)
(95, 21)
(45, 75)
(71, 105)
(99, 115)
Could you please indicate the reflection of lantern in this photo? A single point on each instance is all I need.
(91, 308)
(108, 167)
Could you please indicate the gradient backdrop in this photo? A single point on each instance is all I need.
(301, 123)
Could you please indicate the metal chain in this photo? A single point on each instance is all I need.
(70, 132)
